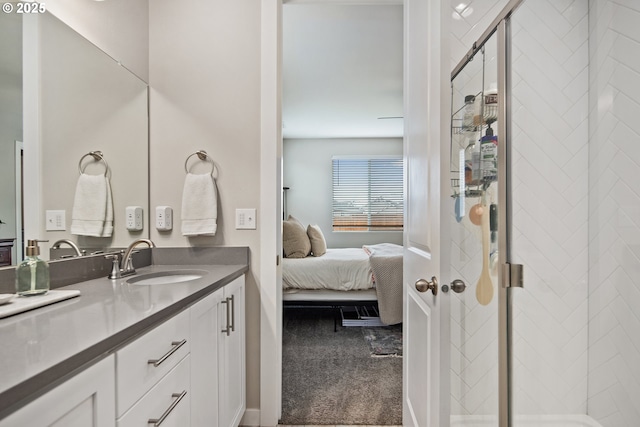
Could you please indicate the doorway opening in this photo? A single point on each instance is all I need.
(342, 96)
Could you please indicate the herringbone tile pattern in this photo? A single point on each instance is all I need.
(550, 206)
(614, 207)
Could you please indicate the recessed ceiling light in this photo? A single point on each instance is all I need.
(462, 6)
(462, 10)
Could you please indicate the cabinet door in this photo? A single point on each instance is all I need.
(205, 331)
(232, 355)
(85, 400)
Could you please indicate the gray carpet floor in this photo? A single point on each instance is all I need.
(331, 378)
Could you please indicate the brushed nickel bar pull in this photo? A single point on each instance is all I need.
(176, 345)
(233, 313)
(227, 330)
(157, 421)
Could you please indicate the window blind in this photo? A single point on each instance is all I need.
(367, 194)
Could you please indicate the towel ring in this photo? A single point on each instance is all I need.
(98, 157)
(202, 155)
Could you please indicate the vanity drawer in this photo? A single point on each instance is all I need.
(142, 363)
(167, 403)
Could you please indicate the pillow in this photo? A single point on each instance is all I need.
(295, 242)
(318, 244)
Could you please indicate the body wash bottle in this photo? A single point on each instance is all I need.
(32, 275)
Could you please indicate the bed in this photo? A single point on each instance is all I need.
(348, 276)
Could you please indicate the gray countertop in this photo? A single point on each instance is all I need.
(46, 346)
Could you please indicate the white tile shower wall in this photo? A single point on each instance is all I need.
(550, 94)
(550, 196)
(614, 213)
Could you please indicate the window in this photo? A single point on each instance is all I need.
(367, 193)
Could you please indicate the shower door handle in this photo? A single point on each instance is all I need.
(457, 286)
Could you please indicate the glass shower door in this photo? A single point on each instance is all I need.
(474, 315)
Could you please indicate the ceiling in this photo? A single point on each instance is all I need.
(342, 70)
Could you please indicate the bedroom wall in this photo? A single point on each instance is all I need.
(307, 172)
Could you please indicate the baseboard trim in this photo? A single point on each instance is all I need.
(251, 418)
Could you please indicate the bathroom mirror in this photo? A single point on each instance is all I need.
(74, 99)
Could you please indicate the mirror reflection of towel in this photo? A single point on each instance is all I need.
(92, 213)
(199, 205)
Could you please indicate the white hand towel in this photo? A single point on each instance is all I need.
(108, 220)
(199, 205)
(89, 206)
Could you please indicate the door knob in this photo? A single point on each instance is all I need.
(457, 286)
(423, 285)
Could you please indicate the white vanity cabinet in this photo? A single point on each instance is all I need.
(187, 371)
(85, 400)
(218, 358)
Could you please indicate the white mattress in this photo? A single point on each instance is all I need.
(328, 295)
(342, 269)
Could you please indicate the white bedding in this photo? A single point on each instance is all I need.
(342, 269)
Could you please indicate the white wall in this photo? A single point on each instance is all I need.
(118, 27)
(307, 171)
(10, 117)
(204, 75)
(614, 213)
(73, 75)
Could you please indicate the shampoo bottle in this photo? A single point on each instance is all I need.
(32, 275)
(489, 156)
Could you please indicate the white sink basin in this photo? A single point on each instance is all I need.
(167, 277)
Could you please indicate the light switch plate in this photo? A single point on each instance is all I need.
(56, 220)
(245, 219)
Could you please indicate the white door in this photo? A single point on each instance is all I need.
(425, 376)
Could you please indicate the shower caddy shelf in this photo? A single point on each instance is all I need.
(489, 116)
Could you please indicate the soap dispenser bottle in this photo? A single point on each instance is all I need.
(32, 275)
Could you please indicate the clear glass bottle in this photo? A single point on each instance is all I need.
(472, 161)
(468, 113)
(32, 275)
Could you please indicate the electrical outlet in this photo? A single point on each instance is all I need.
(134, 218)
(164, 218)
(245, 219)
